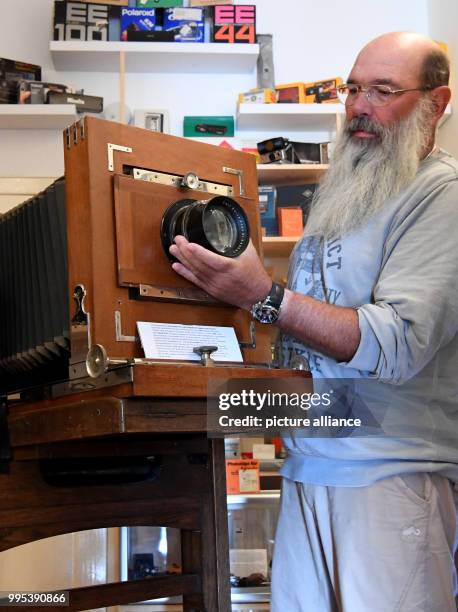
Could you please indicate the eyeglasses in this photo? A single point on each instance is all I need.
(377, 95)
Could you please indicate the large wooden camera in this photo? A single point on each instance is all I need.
(126, 193)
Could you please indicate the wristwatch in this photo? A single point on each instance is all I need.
(268, 310)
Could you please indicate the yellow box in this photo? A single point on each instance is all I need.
(291, 93)
(322, 92)
(258, 96)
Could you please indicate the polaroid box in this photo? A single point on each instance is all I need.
(267, 207)
(209, 126)
(291, 93)
(79, 21)
(258, 96)
(321, 92)
(137, 20)
(234, 23)
(158, 3)
(187, 24)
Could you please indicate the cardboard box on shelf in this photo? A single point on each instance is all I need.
(187, 24)
(258, 96)
(234, 23)
(137, 20)
(291, 93)
(322, 92)
(208, 126)
(290, 221)
(81, 21)
(267, 209)
(246, 446)
(242, 476)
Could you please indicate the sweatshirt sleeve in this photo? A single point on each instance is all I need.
(415, 299)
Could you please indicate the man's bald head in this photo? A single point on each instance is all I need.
(421, 57)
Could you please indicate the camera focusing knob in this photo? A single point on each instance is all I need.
(205, 354)
(190, 181)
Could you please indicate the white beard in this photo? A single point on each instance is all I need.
(365, 173)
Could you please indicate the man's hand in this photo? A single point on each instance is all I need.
(240, 281)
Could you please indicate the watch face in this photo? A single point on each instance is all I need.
(265, 313)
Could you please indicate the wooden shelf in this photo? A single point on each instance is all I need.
(278, 246)
(101, 56)
(36, 116)
(290, 174)
(303, 117)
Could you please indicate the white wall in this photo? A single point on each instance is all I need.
(312, 39)
(443, 25)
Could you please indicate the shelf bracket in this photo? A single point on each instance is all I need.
(111, 149)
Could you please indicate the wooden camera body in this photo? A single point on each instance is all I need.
(120, 180)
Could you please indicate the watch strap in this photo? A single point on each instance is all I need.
(275, 296)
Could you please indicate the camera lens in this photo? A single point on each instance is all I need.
(218, 224)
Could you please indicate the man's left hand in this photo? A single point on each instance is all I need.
(240, 281)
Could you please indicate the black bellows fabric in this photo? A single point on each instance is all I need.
(34, 310)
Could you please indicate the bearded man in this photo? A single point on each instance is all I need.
(369, 523)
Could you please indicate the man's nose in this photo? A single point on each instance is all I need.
(361, 105)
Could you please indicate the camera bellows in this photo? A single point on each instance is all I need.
(34, 334)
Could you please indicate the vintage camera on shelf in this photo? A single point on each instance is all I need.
(281, 150)
(83, 103)
(37, 92)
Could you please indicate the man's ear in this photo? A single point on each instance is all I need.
(440, 97)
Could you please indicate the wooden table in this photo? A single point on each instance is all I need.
(129, 455)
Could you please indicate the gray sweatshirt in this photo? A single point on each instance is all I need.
(401, 273)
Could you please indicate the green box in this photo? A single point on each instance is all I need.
(208, 126)
(159, 3)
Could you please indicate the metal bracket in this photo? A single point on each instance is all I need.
(80, 332)
(176, 294)
(241, 176)
(116, 376)
(74, 132)
(178, 181)
(252, 343)
(83, 133)
(120, 337)
(111, 149)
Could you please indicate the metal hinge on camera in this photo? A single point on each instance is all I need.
(74, 133)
